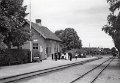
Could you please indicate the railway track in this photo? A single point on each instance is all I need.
(14, 79)
(107, 63)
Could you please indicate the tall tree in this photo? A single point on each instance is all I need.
(70, 39)
(12, 18)
(112, 28)
(59, 33)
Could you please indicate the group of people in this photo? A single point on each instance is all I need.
(63, 56)
(56, 56)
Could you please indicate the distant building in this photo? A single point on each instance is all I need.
(43, 40)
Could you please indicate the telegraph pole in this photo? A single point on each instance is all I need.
(30, 32)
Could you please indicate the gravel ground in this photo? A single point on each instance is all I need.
(66, 75)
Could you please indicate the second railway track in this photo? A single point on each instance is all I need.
(83, 78)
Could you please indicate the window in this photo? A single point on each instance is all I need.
(35, 45)
(41, 49)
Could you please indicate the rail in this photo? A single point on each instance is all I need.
(78, 78)
(40, 72)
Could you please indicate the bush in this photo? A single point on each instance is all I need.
(15, 56)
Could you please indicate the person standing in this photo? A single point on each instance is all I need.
(66, 56)
(62, 56)
(52, 56)
(70, 55)
(76, 56)
(55, 56)
(59, 55)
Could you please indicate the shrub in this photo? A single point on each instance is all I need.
(15, 56)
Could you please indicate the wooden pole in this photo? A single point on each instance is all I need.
(30, 32)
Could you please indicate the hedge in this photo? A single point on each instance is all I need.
(14, 56)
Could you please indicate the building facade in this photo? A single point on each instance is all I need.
(43, 40)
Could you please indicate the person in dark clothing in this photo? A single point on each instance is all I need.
(59, 55)
(52, 56)
(55, 56)
(70, 55)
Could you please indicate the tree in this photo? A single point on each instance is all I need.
(114, 51)
(1, 38)
(112, 28)
(59, 33)
(70, 39)
(12, 15)
(2, 45)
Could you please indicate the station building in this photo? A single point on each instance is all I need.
(43, 40)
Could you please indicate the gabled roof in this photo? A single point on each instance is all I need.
(45, 32)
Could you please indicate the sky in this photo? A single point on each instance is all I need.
(87, 17)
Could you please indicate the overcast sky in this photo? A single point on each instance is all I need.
(87, 17)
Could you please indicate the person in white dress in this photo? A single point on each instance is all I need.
(66, 55)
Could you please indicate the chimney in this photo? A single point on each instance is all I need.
(38, 21)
